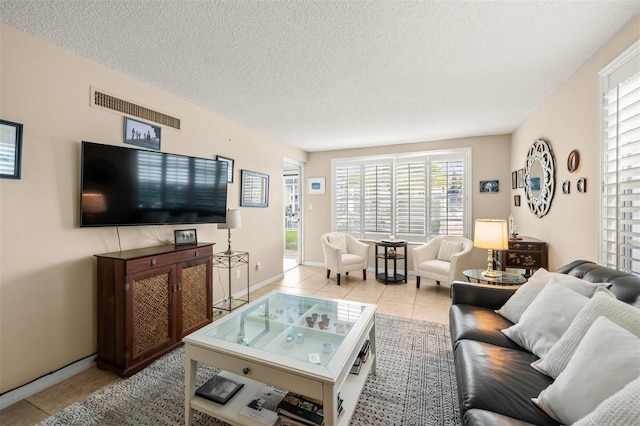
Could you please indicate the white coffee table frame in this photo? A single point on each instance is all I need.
(255, 367)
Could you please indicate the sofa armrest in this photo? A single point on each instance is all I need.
(483, 295)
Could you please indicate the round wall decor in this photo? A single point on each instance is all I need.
(573, 161)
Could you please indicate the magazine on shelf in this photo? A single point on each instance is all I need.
(362, 358)
(263, 407)
(302, 408)
(219, 389)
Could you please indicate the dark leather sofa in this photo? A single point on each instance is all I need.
(495, 379)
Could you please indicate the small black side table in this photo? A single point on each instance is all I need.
(387, 255)
(505, 278)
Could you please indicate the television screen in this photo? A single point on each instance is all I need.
(126, 186)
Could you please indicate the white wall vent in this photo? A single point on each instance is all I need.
(104, 100)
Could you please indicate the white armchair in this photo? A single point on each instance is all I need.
(344, 253)
(444, 258)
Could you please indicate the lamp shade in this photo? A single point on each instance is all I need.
(233, 220)
(491, 234)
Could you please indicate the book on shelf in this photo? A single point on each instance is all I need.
(219, 389)
(263, 407)
(302, 408)
(361, 358)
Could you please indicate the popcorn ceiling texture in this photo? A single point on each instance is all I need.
(328, 75)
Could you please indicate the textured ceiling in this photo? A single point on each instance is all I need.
(324, 75)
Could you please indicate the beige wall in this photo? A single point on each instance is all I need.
(569, 120)
(47, 268)
(490, 160)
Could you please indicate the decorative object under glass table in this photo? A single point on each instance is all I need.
(306, 345)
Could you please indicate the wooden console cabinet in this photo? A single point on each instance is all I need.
(148, 300)
(527, 253)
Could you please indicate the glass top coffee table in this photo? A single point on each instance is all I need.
(300, 343)
(504, 278)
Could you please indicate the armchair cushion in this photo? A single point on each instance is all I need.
(338, 240)
(448, 249)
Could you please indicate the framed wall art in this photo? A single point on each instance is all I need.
(581, 185)
(520, 178)
(516, 200)
(489, 186)
(255, 189)
(11, 149)
(316, 186)
(229, 162)
(141, 134)
(514, 179)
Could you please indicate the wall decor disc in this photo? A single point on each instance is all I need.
(573, 161)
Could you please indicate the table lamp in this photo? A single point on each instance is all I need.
(491, 234)
(233, 222)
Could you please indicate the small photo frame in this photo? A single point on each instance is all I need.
(581, 185)
(219, 389)
(516, 200)
(229, 162)
(514, 179)
(521, 178)
(185, 236)
(489, 186)
(566, 187)
(316, 186)
(11, 149)
(141, 134)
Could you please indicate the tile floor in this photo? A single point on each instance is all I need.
(429, 303)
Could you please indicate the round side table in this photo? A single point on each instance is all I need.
(505, 278)
(390, 252)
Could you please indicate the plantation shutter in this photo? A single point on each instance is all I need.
(446, 194)
(347, 199)
(377, 198)
(620, 212)
(411, 198)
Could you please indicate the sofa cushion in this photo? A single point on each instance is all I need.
(603, 303)
(501, 380)
(484, 417)
(547, 318)
(478, 323)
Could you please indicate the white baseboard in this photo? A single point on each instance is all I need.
(9, 398)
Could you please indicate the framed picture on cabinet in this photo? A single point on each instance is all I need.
(185, 236)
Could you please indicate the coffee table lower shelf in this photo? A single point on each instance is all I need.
(230, 412)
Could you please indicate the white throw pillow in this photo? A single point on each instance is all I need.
(603, 303)
(621, 408)
(448, 249)
(338, 240)
(605, 361)
(526, 293)
(547, 318)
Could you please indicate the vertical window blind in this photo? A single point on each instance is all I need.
(412, 196)
(620, 163)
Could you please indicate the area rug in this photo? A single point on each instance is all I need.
(415, 385)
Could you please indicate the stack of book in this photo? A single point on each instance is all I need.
(361, 359)
(300, 410)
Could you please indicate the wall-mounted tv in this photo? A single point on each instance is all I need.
(127, 186)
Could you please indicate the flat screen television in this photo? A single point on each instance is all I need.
(126, 186)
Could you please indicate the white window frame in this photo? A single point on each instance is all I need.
(618, 71)
(463, 153)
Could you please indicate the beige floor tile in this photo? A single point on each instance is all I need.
(22, 413)
(399, 293)
(329, 295)
(397, 309)
(368, 289)
(361, 299)
(74, 389)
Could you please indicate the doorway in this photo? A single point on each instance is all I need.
(292, 199)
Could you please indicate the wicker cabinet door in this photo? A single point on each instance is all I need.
(150, 306)
(195, 298)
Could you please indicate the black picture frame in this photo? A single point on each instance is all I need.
(11, 146)
(141, 134)
(514, 179)
(219, 389)
(520, 178)
(516, 200)
(185, 236)
(255, 189)
(489, 186)
(229, 162)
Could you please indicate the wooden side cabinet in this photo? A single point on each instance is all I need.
(527, 253)
(148, 300)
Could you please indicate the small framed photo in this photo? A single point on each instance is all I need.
(11, 149)
(185, 236)
(141, 134)
(521, 178)
(316, 186)
(514, 179)
(229, 162)
(516, 200)
(489, 186)
(219, 389)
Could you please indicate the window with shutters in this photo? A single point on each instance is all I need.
(620, 162)
(413, 196)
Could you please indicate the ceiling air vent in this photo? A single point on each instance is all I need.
(104, 100)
